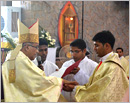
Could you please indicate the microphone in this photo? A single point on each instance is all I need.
(39, 60)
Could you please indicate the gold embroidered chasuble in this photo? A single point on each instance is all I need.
(125, 64)
(127, 57)
(107, 84)
(30, 83)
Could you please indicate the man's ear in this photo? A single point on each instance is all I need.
(84, 51)
(107, 45)
(26, 48)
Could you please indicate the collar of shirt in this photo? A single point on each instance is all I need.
(105, 57)
(121, 57)
(84, 59)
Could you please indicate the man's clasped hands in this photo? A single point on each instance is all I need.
(69, 85)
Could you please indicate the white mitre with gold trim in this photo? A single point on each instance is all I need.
(30, 34)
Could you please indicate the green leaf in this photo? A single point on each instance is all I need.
(9, 39)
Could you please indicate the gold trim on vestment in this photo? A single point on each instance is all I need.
(28, 38)
(11, 60)
(11, 75)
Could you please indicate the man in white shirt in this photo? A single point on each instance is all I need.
(47, 66)
(85, 67)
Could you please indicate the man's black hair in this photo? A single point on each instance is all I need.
(43, 41)
(79, 43)
(105, 37)
(119, 48)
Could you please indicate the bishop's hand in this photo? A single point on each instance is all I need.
(69, 85)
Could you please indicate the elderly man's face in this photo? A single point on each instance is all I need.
(32, 51)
